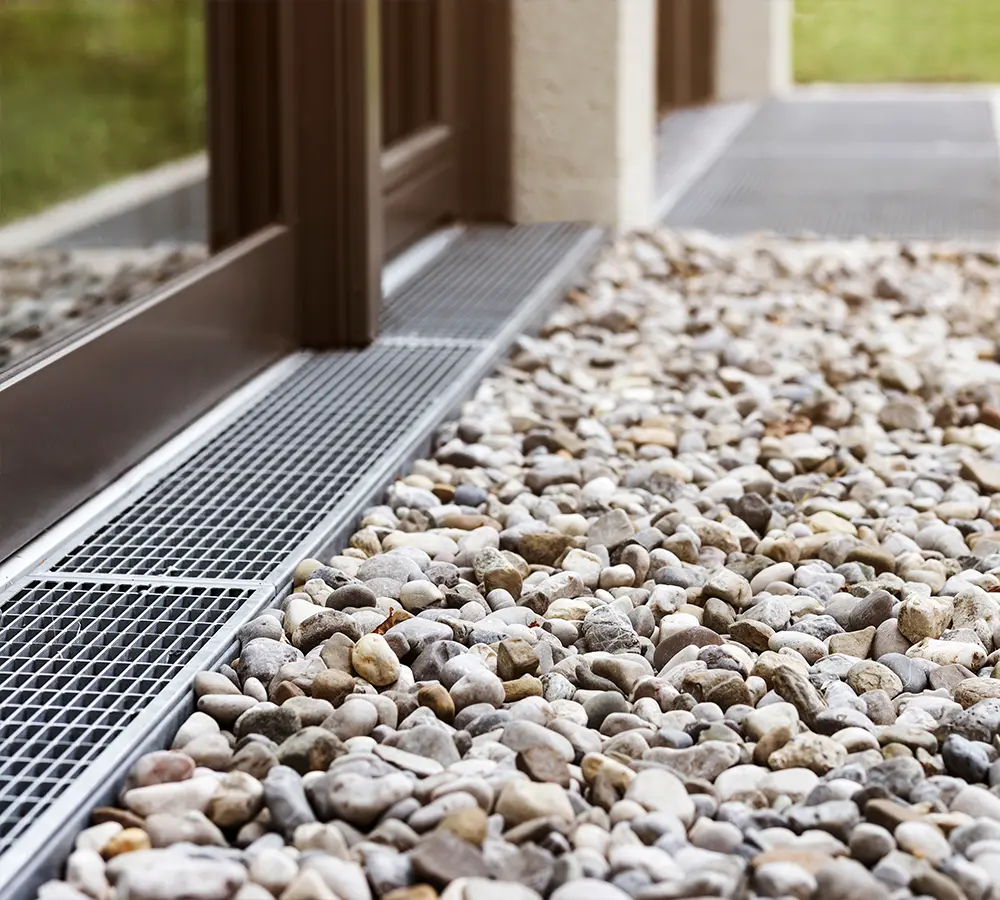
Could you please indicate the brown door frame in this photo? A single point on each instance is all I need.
(485, 84)
(88, 406)
(296, 221)
(685, 66)
(457, 164)
(419, 166)
(331, 127)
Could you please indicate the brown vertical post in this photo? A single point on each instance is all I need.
(682, 52)
(332, 185)
(666, 38)
(483, 98)
(243, 130)
(703, 39)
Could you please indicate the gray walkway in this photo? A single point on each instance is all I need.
(895, 165)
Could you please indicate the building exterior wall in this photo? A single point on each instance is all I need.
(583, 111)
(753, 48)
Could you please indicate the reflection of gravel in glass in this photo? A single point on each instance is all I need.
(45, 292)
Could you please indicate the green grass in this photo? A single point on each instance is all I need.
(93, 90)
(873, 41)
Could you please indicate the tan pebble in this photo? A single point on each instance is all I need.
(128, 840)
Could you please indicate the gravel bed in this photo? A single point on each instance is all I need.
(694, 600)
(45, 293)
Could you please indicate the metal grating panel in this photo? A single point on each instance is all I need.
(940, 197)
(78, 663)
(238, 507)
(838, 122)
(480, 282)
(687, 136)
(100, 656)
(890, 168)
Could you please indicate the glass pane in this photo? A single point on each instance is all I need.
(410, 68)
(103, 173)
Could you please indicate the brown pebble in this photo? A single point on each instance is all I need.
(285, 691)
(756, 635)
(469, 824)
(444, 492)
(694, 635)
(934, 884)
(544, 764)
(526, 686)
(891, 751)
(515, 657)
(989, 415)
(470, 522)
(123, 817)
(889, 813)
(810, 860)
(333, 685)
(128, 840)
(544, 549)
(771, 741)
(437, 699)
(413, 892)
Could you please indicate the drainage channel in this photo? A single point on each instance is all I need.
(99, 643)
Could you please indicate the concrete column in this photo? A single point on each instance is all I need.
(583, 111)
(753, 53)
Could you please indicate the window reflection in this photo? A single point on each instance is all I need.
(102, 164)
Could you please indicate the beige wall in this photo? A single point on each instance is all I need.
(583, 111)
(753, 56)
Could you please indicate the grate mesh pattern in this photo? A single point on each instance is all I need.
(831, 168)
(479, 283)
(875, 121)
(240, 505)
(167, 573)
(836, 197)
(78, 663)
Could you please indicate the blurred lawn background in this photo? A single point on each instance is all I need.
(871, 41)
(93, 90)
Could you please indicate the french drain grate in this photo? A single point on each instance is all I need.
(241, 505)
(78, 663)
(98, 647)
(484, 275)
(907, 169)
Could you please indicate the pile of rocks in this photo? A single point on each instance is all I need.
(696, 599)
(46, 292)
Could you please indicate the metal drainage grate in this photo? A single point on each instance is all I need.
(154, 588)
(241, 505)
(838, 122)
(788, 172)
(78, 663)
(480, 282)
(846, 197)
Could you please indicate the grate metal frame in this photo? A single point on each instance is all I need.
(107, 668)
(227, 518)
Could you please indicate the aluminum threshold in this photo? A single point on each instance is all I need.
(101, 637)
